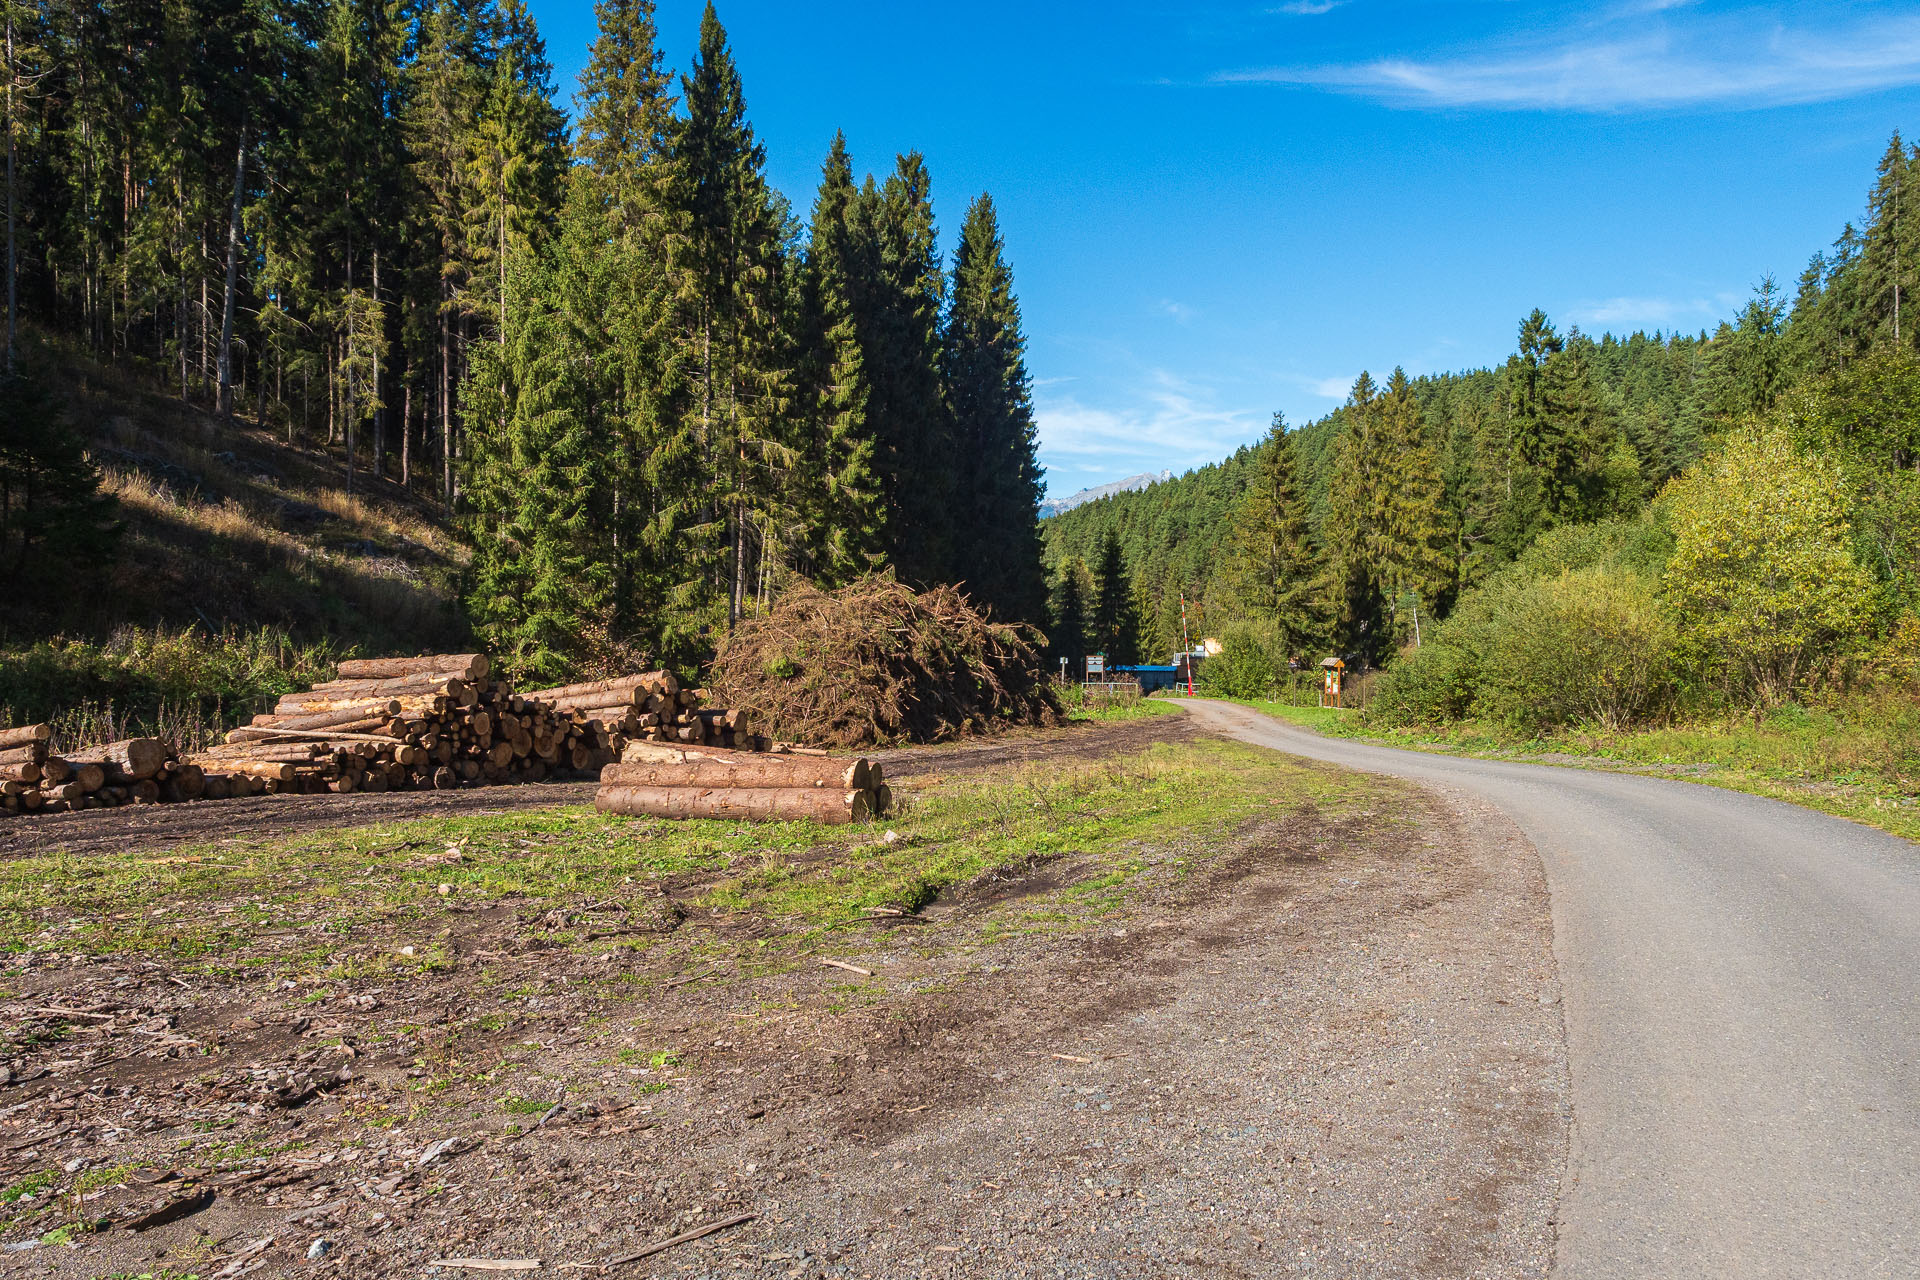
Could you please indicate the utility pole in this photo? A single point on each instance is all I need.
(1186, 645)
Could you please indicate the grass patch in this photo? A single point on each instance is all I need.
(322, 905)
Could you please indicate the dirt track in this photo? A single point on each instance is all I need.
(1331, 1048)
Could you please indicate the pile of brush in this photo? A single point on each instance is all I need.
(876, 662)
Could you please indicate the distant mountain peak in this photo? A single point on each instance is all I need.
(1054, 506)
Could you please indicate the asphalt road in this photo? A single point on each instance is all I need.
(1742, 997)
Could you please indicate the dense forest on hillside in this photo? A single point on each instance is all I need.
(1419, 490)
(647, 391)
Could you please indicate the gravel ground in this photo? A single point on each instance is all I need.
(1331, 1047)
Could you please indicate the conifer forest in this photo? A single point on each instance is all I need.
(649, 391)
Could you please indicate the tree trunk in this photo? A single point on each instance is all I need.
(406, 431)
(224, 401)
(379, 401)
(13, 293)
(446, 396)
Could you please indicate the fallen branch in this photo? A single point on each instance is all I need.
(488, 1264)
(850, 968)
(680, 1239)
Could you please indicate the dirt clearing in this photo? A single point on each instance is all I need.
(1307, 1024)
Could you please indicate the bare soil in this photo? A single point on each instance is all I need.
(1331, 1048)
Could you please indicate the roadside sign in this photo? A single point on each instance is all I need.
(1096, 665)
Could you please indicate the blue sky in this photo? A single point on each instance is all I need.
(1218, 210)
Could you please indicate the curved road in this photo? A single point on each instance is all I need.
(1742, 990)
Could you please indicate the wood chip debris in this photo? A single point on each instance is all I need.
(1068, 1057)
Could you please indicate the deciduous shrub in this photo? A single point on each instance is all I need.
(1763, 578)
(1249, 665)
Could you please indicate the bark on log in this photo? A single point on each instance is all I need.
(31, 753)
(25, 736)
(301, 706)
(22, 773)
(470, 666)
(763, 771)
(370, 725)
(382, 709)
(778, 804)
(429, 686)
(651, 681)
(135, 757)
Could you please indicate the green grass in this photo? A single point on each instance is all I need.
(1112, 712)
(343, 903)
(1838, 759)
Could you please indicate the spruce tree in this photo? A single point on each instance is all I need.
(1890, 245)
(989, 392)
(845, 507)
(52, 514)
(1067, 637)
(732, 297)
(1416, 570)
(1356, 526)
(1271, 560)
(625, 149)
(897, 292)
(1114, 628)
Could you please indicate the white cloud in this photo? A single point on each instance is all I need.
(1637, 313)
(1332, 388)
(1308, 8)
(1740, 60)
(1169, 424)
(1180, 312)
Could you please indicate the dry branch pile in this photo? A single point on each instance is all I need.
(875, 662)
(709, 782)
(385, 724)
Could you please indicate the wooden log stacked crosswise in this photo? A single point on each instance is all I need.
(667, 781)
(383, 724)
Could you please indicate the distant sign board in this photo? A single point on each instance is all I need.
(1096, 665)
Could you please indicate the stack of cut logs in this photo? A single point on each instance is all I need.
(384, 724)
(411, 723)
(786, 784)
(652, 707)
(134, 771)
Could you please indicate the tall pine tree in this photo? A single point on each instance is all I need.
(989, 393)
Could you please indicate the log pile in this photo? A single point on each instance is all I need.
(132, 771)
(383, 724)
(666, 781)
(388, 724)
(652, 707)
